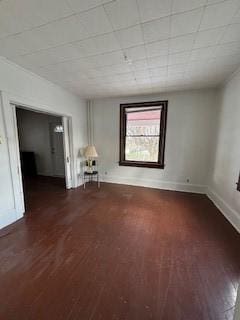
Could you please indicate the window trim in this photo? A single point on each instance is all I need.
(162, 136)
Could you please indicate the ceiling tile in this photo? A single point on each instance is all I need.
(111, 80)
(175, 78)
(186, 5)
(23, 62)
(47, 10)
(30, 41)
(144, 84)
(83, 5)
(59, 32)
(214, 1)
(96, 21)
(208, 37)
(178, 58)
(158, 87)
(130, 37)
(92, 73)
(186, 22)
(55, 75)
(182, 43)
(122, 13)
(35, 40)
(13, 19)
(153, 9)
(199, 66)
(219, 14)
(156, 30)
(113, 69)
(84, 53)
(228, 49)
(12, 46)
(52, 56)
(73, 66)
(231, 34)
(97, 45)
(158, 61)
(157, 48)
(223, 61)
(135, 53)
(158, 72)
(139, 65)
(106, 43)
(17, 16)
(177, 68)
(87, 47)
(203, 53)
(123, 77)
(107, 59)
(77, 77)
(236, 18)
(141, 73)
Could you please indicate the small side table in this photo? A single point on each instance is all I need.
(90, 176)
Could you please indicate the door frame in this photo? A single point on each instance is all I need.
(10, 121)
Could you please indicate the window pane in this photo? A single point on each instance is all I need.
(142, 149)
(143, 122)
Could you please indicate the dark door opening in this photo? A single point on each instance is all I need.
(42, 155)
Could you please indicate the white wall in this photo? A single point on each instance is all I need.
(226, 160)
(237, 306)
(194, 149)
(20, 86)
(6, 194)
(188, 142)
(34, 135)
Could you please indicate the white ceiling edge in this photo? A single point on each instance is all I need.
(157, 94)
(162, 92)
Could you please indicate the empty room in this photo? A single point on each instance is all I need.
(41, 150)
(120, 159)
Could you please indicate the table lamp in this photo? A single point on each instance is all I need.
(90, 153)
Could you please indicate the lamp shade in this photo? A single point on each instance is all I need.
(90, 152)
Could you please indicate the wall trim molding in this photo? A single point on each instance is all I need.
(229, 213)
(150, 183)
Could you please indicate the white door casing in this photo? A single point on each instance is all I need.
(10, 137)
(14, 156)
(237, 306)
(67, 152)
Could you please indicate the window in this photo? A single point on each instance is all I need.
(142, 134)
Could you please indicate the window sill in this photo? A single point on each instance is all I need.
(141, 164)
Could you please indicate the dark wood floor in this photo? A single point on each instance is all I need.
(120, 252)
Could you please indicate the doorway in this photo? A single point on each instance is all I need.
(44, 155)
(56, 146)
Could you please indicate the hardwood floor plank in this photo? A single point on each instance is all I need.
(121, 252)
